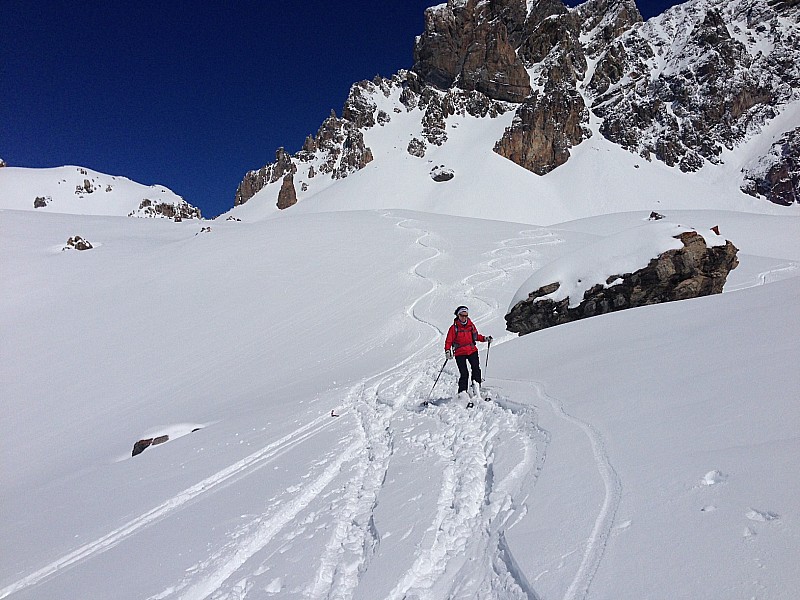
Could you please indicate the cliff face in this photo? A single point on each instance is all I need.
(681, 88)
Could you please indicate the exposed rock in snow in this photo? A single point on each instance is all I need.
(78, 243)
(143, 445)
(417, 147)
(176, 211)
(616, 274)
(776, 176)
(441, 173)
(288, 195)
(545, 127)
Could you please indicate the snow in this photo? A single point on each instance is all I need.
(621, 456)
(64, 190)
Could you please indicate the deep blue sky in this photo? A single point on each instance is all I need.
(190, 95)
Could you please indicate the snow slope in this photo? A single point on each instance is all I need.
(643, 454)
(80, 191)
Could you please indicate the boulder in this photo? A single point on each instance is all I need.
(416, 147)
(688, 272)
(441, 173)
(142, 445)
(78, 243)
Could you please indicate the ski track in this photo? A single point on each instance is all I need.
(225, 562)
(464, 552)
(598, 539)
(112, 539)
(763, 277)
(472, 509)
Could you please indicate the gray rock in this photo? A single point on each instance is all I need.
(417, 147)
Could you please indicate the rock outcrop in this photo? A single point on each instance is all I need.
(467, 44)
(545, 127)
(714, 85)
(78, 243)
(689, 272)
(288, 195)
(169, 210)
(776, 176)
(254, 181)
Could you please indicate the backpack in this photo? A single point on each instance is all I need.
(470, 326)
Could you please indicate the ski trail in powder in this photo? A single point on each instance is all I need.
(354, 539)
(115, 537)
(228, 560)
(464, 553)
(598, 538)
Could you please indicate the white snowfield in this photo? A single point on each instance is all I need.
(78, 191)
(650, 453)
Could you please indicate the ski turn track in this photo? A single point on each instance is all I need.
(115, 537)
(490, 459)
(604, 522)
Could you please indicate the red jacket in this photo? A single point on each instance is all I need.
(462, 338)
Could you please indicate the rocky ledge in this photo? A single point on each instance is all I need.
(689, 272)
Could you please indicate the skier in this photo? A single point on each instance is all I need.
(460, 343)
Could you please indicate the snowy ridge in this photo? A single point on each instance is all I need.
(81, 191)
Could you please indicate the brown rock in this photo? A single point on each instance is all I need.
(546, 126)
(288, 195)
(78, 243)
(689, 272)
(467, 44)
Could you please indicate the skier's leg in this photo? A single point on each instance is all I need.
(475, 364)
(463, 381)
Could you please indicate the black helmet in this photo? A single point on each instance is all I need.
(459, 309)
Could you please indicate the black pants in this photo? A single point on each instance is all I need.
(461, 361)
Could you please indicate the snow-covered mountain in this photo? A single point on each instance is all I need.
(81, 191)
(281, 360)
(708, 89)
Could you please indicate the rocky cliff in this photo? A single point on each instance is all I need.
(681, 88)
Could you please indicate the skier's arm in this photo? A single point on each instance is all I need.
(451, 334)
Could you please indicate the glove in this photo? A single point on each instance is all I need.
(448, 353)
(489, 339)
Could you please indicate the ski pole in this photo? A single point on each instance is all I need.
(437, 380)
(486, 364)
